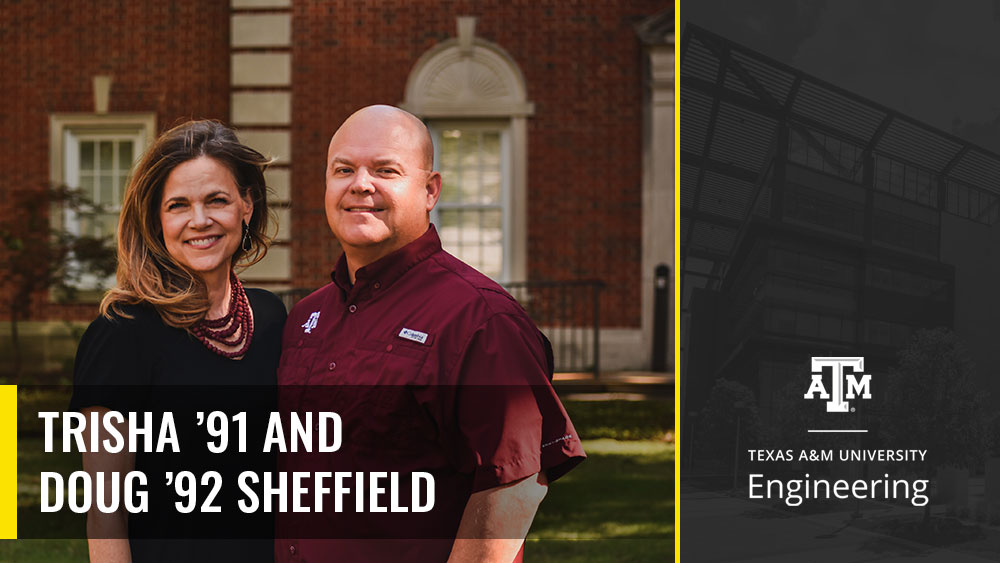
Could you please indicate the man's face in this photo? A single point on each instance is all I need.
(378, 189)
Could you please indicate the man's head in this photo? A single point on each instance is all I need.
(380, 186)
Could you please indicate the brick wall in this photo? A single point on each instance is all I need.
(171, 58)
(582, 65)
(581, 62)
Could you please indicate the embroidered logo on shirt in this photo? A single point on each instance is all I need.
(311, 323)
(414, 335)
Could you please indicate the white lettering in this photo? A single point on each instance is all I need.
(862, 388)
(301, 439)
(375, 491)
(82, 433)
(428, 480)
(83, 487)
(817, 387)
(254, 503)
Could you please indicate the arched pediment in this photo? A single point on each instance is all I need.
(477, 80)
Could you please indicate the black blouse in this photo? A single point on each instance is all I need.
(143, 365)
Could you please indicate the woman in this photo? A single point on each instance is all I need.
(195, 208)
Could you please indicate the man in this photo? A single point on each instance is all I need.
(454, 376)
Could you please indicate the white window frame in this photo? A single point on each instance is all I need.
(65, 133)
(436, 128)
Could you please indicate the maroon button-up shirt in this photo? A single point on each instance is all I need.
(454, 380)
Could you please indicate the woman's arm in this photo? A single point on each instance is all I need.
(107, 533)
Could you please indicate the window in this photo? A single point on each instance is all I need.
(910, 283)
(841, 159)
(886, 333)
(906, 181)
(472, 215)
(473, 97)
(816, 208)
(95, 153)
(809, 324)
(98, 164)
(904, 225)
(972, 203)
(789, 291)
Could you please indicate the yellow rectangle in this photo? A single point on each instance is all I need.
(677, 296)
(8, 462)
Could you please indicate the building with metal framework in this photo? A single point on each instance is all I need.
(816, 222)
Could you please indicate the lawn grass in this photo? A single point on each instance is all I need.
(622, 420)
(623, 490)
(599, 551)
(43, 551)
(616, 506)
(36, 398)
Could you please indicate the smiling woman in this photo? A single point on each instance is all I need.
(201, 217)
(194, 209)
(193, 182)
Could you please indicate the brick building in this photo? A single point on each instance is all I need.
(553, 125)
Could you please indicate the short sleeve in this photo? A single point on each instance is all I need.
(111, 369)
(510, 419)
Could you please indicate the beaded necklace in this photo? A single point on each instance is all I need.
(234, 330)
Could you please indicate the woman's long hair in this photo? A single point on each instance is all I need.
(146, 271)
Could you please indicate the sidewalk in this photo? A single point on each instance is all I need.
(628, 385)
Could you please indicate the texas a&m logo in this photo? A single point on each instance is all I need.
(843, 385)
(310, 324)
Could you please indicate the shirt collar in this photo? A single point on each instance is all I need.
(383, 272)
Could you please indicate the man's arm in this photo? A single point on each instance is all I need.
(496, 521)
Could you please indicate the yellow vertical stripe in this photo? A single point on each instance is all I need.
(677, 285)
(8, 462)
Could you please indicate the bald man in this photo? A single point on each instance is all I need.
(380, 186)
(446, 372)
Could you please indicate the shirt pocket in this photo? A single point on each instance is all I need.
(394, 362)
(394, 427)
(391, 421)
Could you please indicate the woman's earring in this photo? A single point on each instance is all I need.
(247, 243)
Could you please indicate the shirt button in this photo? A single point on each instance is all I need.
(352, 308)
(388, 348)
(291, 549)
(332, 366)
(377, 285)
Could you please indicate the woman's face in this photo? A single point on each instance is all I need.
(201, 214)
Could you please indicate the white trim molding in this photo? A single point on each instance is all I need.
(59, 123)
(657, 183)
(483, 81)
